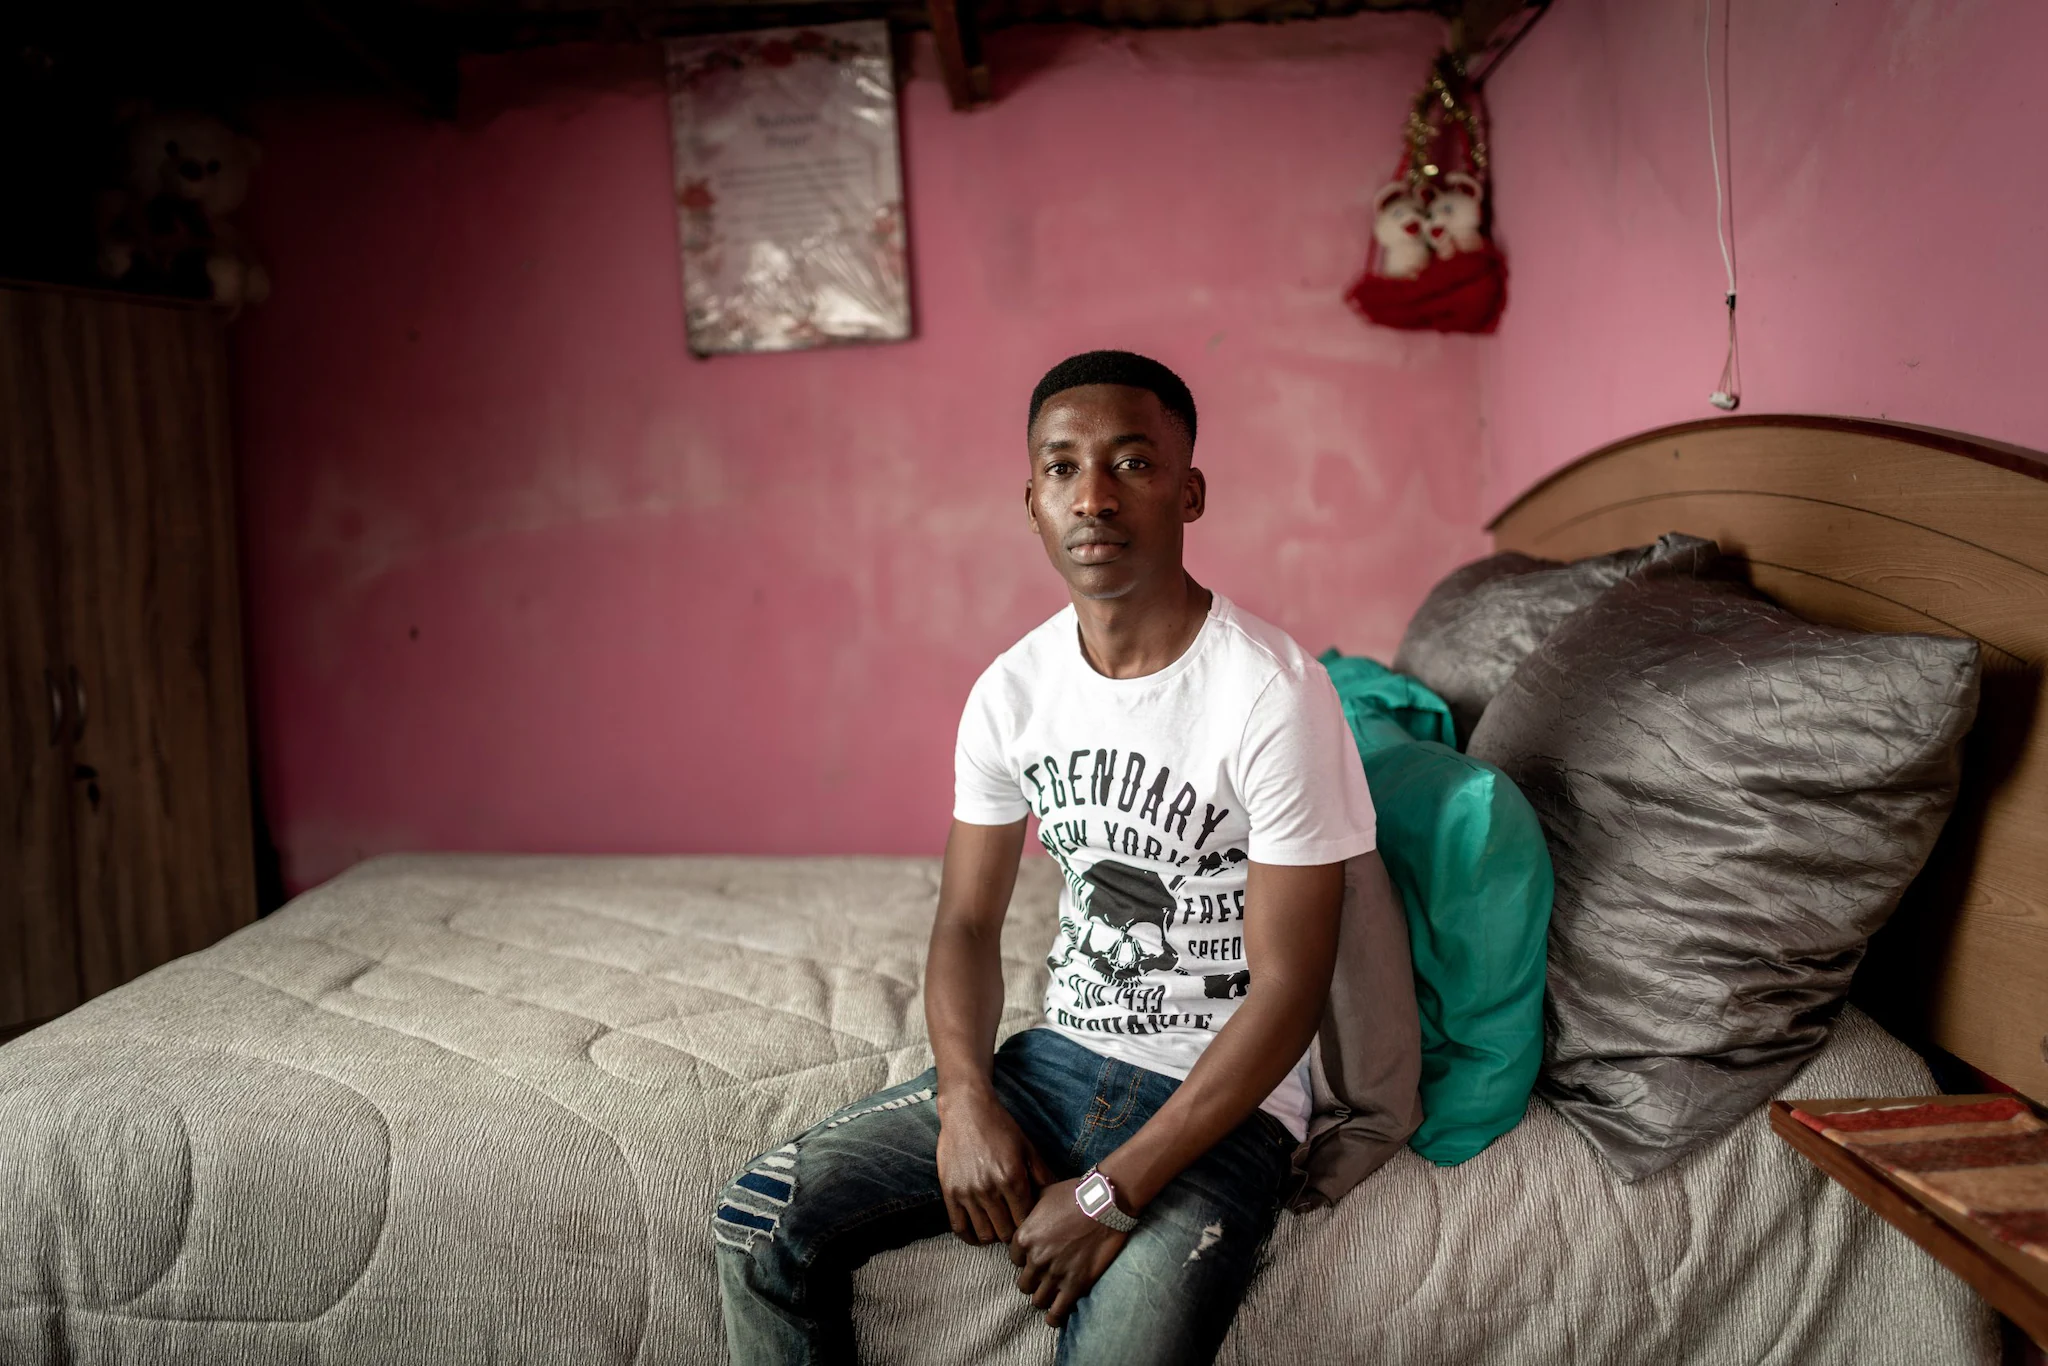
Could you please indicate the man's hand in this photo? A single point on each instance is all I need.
(988, 1170)
(1060, 1252)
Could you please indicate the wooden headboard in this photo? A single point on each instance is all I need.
(1882, 527)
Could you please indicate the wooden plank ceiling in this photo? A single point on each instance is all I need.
(500, 25)
(223, 52)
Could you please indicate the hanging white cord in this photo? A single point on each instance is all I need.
(1728, 393)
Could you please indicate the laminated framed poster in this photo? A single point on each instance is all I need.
(789, 191)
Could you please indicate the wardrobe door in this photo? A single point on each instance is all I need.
(38, 947)
(159, 790)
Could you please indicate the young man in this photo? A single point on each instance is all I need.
(1194, 780)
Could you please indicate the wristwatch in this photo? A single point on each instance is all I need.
(1097, 1199)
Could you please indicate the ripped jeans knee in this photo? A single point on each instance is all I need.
(878, 1151)
(751, 1207)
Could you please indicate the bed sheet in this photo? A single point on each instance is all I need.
(476, 1108)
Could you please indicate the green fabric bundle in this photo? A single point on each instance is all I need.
(1466, 851)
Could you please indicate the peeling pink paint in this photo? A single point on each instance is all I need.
(674, 605)
(1891, 215)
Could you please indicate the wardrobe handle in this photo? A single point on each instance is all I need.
(56, 708)
(78, 697)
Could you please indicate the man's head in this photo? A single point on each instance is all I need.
(1111, 437)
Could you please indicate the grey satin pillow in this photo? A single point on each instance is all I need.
(1734, 799)
(1481, 621)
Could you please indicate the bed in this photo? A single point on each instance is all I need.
(460, 1107)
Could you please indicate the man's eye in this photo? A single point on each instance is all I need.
(1135, 462)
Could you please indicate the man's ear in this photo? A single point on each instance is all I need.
(1030, 512)
(1194, 496)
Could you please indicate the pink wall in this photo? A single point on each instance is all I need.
(1890, 206)
(525, 576)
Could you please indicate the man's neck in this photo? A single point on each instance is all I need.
(1135, 635)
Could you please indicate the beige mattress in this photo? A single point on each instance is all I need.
(454, 1109)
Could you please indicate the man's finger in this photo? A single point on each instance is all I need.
(982, 1232)
(1062, 1306)
(1046, 1293)
(1000, 1217)
(956, 1217)
(1040, 1173)
(1017, 1252)
(1017, 1196)
(1028, 1278)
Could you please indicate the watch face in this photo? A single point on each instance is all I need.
(1093, 1194)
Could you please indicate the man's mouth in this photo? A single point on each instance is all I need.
(1094, 546)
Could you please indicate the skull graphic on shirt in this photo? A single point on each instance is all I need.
(1124, 934)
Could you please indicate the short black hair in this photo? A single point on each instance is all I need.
(1127, 368)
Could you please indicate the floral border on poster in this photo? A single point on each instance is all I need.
(740, 51)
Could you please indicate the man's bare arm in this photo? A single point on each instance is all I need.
(988, 1170)
(1290, 925)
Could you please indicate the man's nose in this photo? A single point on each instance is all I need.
(1095, 494)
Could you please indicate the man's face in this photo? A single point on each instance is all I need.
(1112, 485)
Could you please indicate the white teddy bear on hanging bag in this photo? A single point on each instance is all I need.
(1454, 213)
(1398, 225)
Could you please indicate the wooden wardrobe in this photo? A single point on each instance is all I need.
(126, 797)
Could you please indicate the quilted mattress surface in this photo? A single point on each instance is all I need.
(475, 1109)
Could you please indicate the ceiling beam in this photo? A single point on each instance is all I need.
(959, 42)
(1474, 21)
(418, 67)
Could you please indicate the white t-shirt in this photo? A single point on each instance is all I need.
(1152, 794)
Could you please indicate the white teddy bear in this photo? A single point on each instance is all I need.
(1397, 225)
(167, 228)
(1454, 215)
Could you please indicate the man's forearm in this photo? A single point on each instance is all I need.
(963, 1004)
(1256, 1048)
(963, 971)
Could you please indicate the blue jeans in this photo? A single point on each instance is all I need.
(793, 1226)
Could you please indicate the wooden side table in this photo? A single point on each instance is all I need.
(2015, 1283)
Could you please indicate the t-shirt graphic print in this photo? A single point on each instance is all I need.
(1153, 795)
